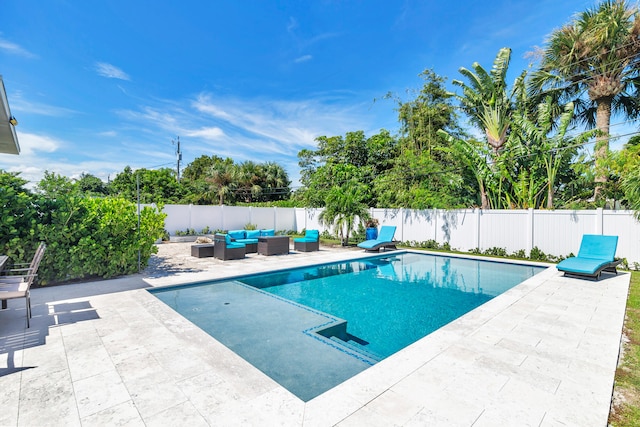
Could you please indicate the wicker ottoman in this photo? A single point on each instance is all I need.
(203, 250)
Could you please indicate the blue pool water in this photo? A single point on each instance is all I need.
(311, 328)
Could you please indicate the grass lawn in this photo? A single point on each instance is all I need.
(625, 410)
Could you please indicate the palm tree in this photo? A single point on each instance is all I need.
(593, 61)
(222, 179)
(345, 202)
(276, 181)
(485, 99)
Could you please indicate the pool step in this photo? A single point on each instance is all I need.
(356, 346)
(338, 334)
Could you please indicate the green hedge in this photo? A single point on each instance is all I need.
(86, 237)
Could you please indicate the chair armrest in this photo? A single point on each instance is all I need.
(11, 270)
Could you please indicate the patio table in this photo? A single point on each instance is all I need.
(273, 245)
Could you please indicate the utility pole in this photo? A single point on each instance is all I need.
(178, 155)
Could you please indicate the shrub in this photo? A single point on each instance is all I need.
(537, 255)
(85, 236)
(98, 237)
(521, 253)
(495, 251)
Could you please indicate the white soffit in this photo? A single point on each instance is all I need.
(8, 138)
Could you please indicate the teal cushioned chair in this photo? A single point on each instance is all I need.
(225, 249)
(310, 241)
(596, 255)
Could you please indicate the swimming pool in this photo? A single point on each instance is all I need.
(312, 328)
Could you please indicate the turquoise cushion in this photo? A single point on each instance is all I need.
(598, 247)
(305, 240)
(237, 234)
(268, 232)
(252, 234)
(582, 265)
(227, 239)
(247, 241)
(312, 235)
(235, 245)
(369, 244)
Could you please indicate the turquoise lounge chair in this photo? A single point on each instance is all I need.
(384, 240)
(595, 256)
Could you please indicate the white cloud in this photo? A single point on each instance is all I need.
(303, 58)
(31, 143)
(15, 49)
(242, 129)
(111, 71)
(108, 133)
(206, 133)
(282, 126)
(21, 105)
(292, 24)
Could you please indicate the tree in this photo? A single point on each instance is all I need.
(19, 216)
(626, 165)
(275, 182)
(200, 166)
(370, 157)
(421, 117)
(485, 100)
(156, 185)
(488, 105)
(547, 149)
(249, 182)
(345, 202)
(593, 61)
(222, 180)
(92, 185)
(423, 173)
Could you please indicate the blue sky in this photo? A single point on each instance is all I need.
(97, 86)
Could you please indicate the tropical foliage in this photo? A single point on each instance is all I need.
(86, 236)
(593, 61)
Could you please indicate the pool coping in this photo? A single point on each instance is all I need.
(542, 353)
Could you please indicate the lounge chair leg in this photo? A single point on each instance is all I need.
(28, 310)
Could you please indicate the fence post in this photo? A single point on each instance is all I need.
(222, 217)
(530, 235)
(477, 236)
(599, 220)
(402, 224)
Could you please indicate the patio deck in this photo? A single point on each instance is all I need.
(104, 353)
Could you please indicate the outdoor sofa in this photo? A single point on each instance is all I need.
(250, 237)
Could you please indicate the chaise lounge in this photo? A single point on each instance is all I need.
(384, 240)
(596, 255)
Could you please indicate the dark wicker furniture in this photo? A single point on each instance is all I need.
(202, 250)
(273, 245)
(225, 249)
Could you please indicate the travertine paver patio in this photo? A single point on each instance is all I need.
(109, 353)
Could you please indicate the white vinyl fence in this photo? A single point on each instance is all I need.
(555, 232)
